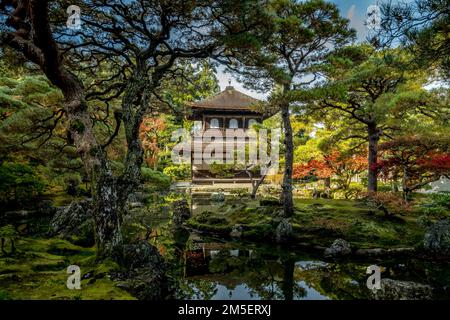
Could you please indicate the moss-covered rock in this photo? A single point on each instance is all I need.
(437, 238)
(39, 271)
(75, 223)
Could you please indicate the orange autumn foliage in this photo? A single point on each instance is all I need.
(148, 133)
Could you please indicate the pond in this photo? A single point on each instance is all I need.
(214, 268)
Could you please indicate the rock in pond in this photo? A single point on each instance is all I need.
(141, 254)
(402, 290)
(146, 278)
(339, 248)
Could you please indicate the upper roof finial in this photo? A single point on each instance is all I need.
(229, 87)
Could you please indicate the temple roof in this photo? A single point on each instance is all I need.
(229, 99)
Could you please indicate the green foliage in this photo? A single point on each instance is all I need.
(8, 231)
(240, 192)
(19, 182)
(4, 295)
(438, 205)
(352, 192)
(72, 182)
(422, 27)
(222, 170)
(201, 83)
(77, 126)
(156, 178)
(179, 172)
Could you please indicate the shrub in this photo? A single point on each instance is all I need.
(178, 172)
(240, 192)
(384, 187)
(5, 295)
(353, 190)
(437, 205)
(157, 178)
(18, 182)
(388, 202)
(10, 233)
(72, 183)
(222, 170)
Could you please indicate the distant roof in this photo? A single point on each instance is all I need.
(229, 99)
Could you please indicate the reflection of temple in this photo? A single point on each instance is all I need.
(197, 260)
(228, 111)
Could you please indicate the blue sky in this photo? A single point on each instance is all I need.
(352, 9)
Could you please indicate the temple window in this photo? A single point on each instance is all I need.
(214, 123)
(233, 124)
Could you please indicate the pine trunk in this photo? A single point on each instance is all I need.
(288, 163)
(374, 137)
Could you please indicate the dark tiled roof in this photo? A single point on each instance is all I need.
(229, 99)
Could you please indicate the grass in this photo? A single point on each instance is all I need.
(38, 271)
(316, 221)
(361, 226)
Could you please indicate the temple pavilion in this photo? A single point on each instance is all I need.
(228, 110)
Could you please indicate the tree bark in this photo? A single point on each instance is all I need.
(327, 182)
(374, 137)
(3, 246)
(286, 196)
(134, 106)
(13, 247)
(42, 49)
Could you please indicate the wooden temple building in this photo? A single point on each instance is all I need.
(228, 110)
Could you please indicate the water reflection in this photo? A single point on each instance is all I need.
(208, 268)
(215, 270)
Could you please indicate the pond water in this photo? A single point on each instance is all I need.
(210, 268)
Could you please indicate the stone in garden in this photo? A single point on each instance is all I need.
(437, 237)
(181, 212)
(146, 276)
(402, 290)
(137, 196)
(339, 248)
(133, 205)
(236, 231)
(141, 254)
(75, 220)
(217, 197)
(283, 232)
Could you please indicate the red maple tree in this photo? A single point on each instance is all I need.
(341, 166)
(416, 160)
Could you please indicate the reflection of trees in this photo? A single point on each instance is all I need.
(334, 281)
(290, 288)
(197, 289)
(180, 238)
(268, 278)
(271, 277)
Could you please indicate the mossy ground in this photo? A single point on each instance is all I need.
(38, 271)
(317, 222)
